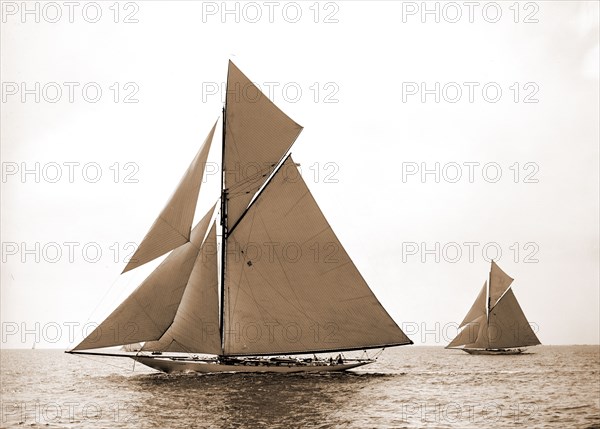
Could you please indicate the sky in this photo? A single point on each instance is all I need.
(436, 137)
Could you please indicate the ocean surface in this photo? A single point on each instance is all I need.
(408, 387)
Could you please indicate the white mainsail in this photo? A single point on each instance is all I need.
(173, 225)
(498, 323)
(508, 326)
(290, 286)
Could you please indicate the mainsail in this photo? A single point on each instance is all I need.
(286, 286)
(290, 286)
(498, 322)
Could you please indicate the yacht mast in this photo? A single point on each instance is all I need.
(223, 231)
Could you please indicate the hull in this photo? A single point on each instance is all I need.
(494, 351)
(169, 365)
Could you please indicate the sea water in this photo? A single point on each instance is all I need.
(408, 387)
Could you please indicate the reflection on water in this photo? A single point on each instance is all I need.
(260, 400)
(409, 387)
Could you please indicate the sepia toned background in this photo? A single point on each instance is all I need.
(434, 140)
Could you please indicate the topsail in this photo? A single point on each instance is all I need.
(257, 136)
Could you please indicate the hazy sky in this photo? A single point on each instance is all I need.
(497, 102)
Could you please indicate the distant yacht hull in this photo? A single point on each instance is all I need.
(494, 351)
(170, 365)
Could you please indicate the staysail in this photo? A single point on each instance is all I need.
(195, 327)
(478, 309)
(258, 134)
(290, 286)
(173, 225)
(471, 332)
(149, 311)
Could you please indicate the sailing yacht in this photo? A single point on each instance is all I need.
(495, 324)
(278, 288)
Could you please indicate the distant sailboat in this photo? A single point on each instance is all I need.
(495, 324)
(280, 283)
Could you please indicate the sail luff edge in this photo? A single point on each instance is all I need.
(258, 194)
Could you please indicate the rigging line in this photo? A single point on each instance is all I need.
(307, 192)
(186, 350)
(252, 179)
(128, 281)
(328, 227)
(260, 192)
(229, 139)
(208, 227)
(232, 310)
(102, 361)
(343, 264)
(98, 304)
(241, 186)
(275, 290)
(250, 293)
(300, 310)
(502, 296)
(174, 229)
(264, 310)
(148, 316)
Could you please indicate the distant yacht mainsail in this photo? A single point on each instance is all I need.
(495, 324)
(279, 283)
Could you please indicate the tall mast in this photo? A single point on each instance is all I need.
(488, 306)
(223, 231)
